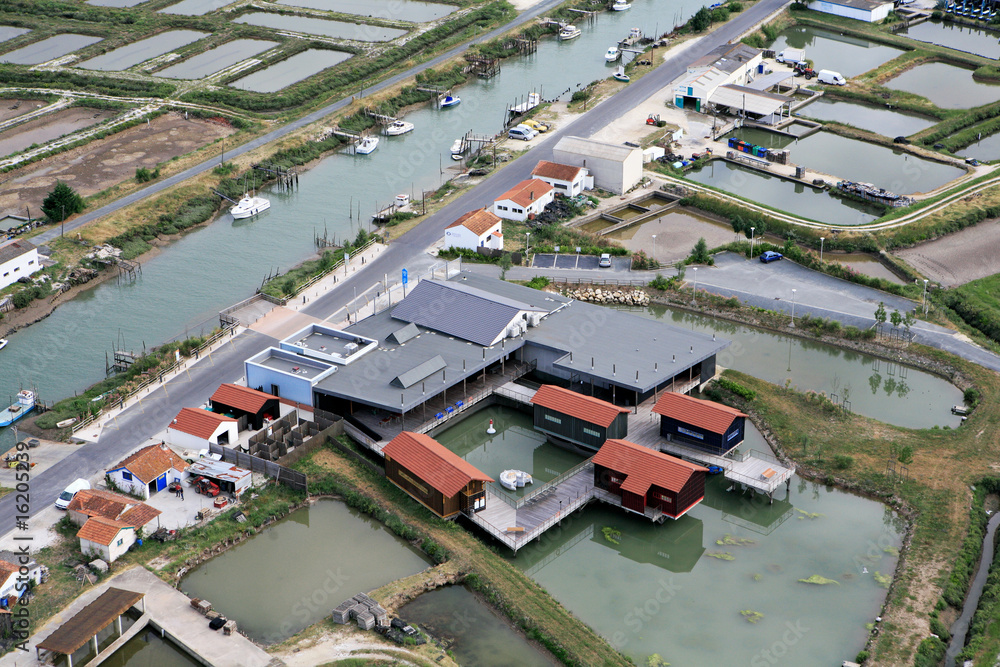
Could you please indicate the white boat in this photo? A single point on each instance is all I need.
(366, 145)
(569, 32)
(66, 422)
(25, 403)
(621, 6)
(620, 75)
(249, 206)
(612, 54)
(3, 343)
(457, 149)
(450, 101)
(397, 128)
(514, 479)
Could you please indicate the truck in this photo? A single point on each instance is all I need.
(791, 56)
(830, 77)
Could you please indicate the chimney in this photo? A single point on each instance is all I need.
(532, 195)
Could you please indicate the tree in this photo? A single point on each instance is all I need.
(699, 255)
(701, 20)
(880, 313)
(505, 264)
(908, 321)
(896, 318)
(62, 202)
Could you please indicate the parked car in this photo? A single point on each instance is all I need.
(522, 132)
(64, 499)
(770, 256)
(605, 261)
(536, 125)
(832, 78)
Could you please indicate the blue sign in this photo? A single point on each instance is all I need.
(405, 277)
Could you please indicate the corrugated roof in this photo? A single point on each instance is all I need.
(568, 402)
(218, 470)
(867, 5)
(419, 372)
(459, 310)
(478, 222)
(526, 192)
(754, 101)
(400, 336)
(596, 149)
(197, 422)
(433, 463)
(644, 467)
(241, 398)
(101, 530)
(727, 57)
(708, 415)
(14, 248)
(150, 462)
(556, 171)
(90, 620)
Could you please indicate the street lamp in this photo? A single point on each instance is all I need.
(925, 297)
(527, 243)
(792, 325)
(654, 248)
(694, 286)
(751, 241)
(821, 239)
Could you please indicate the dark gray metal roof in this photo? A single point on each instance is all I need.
(14, 248)
(419, 372)
(402, 335)
(458, 310)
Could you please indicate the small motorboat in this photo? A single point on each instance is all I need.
(620, 75)
(569, 31)
(249, 206)
(3, 343)
(514, 479)
(620, 6)
(66, 422)
(397, 128)
(612, 54)
(366, 146)
(457, 149)
(450, 101)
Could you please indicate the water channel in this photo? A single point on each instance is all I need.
(828, 50)
(854, 160)
(399, 10)
(947, 86)
(194, 7)
(48, 49)
(954, 36)
(293, 573)
(358, 31)
(288, 71)
(143, 50)
(116, 3)
(216, 59)
(887, 122)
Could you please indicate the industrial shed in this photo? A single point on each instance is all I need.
(433, 475)
(871, 11)
(231, 479)
(236, 401)
(614, 167)
(707, 425)
(645, 479)
(580, 420)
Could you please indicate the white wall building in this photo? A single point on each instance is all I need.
(871, 11)
(729, 64)
(147, 471)
(476, 229)
(194, 428)
(566, 179)
(525, 200)
(18, 258)
(614, 167)
(106, 537)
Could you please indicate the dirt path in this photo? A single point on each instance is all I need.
(957, 258)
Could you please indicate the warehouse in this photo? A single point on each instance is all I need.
(614, 167)
(580, 420)
(871, 11)
(707, 425)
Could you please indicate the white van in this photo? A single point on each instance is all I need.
(64, 499)
(831, 77)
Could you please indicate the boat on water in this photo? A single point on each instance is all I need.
(569, 32)
(620, 75)
(613, 53)
(366, 145)
(621, 6)
(457, 149)
(249, 206)
(3, 343)
(450, 101)
(398, 127)
(24, 404)
(515, 479)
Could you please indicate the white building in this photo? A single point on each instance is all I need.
(106, 538)
(21, 560)
(615, 168)
(729, 64)
(476, 229)
(194, 428)
(566, 179)
(871, 11)
(18, 258)
(8, 584)
(109, 521)
(525, 200)
(147, 471)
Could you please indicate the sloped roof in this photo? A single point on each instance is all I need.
(644, 467)
(6, 569)
(89, 621)
(197, 422)
(400, 336)
(241, 398)
(727, 57)
(433, 463)
(113, 506)
(556, 171)
(150, 462)
(419, 372)
(139, 515)
(101, 530)
(14, 248)
(708, 415)
(596, 149)
(569, 402)
(526, 192)
(478, 222)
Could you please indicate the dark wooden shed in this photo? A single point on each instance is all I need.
(706, 425)
(433, 475)
(564, 414)
(238, 401)
(643, 478)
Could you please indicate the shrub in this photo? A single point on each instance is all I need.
(144, 175)
(538, 282)
(930, 652)
(62, 202)
(861, 657)
(699, 254)
(737, 388)
(580, 95)
(971, 396)
(842, 461)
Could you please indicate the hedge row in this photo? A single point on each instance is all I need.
(12, 75)
(987, 612)
(977, 315)
(953, 125)
(972, 547)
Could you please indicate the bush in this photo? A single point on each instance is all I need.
(144, 175)
(861, 657)
(580, 95)
(930, 653)
(701, 20)
(699, 254)
(538, 282)
(971, 396)
(737, 388)
(62, 202)
(842, 461)
(661, 283)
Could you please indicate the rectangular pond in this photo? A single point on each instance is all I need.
(954, 36)
(195, 7)
(362, 32)
(148, 649)
(398, 10)
(116, 3)
(216, 59)
(48, 127)
(887, 122)
(285, 73)
(137, 52)
(783, 194)
(48, 49)
(293, 573)
(947, 86)
(828, 50)
(856, 160)
(8, 32)
(986, 148)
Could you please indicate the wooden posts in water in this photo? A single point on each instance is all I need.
(286, 179)
(482, 66)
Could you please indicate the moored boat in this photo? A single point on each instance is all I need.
(366, 145)
(621, 6)
(398, 127)
(457, 149)
(612, 54)
(249, 206)
(569, 31)
(3, 343)
(25, 403)
(620, 75)
(450, 101)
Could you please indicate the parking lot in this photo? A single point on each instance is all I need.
(561, 261)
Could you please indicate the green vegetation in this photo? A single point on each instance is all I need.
(13, 75)
(612, 535)
(700, 254)
(977, 303)
(538, 282)
(734, 387)
(819, 580)
(752, 616)
(62, 202)
(731, 541)
(144, 175)
(290, 283)
(720, 555)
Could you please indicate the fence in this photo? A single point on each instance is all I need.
(290, 478)
(518, 503)
(581, 282)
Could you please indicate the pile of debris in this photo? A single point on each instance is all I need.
(105, 254)
(402, 632)
(627, 297)
(559, 209)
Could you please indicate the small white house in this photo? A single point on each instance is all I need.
(148, 470)
(566, 179)
(871, 11)
(476, 229)
(32, 570)
(18, 258)
(615, 167)
(194, 428)
(525, 200)
(8, 584)
(107, 538)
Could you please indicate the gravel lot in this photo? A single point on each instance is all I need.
(957, 258)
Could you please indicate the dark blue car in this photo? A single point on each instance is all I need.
(770, 256)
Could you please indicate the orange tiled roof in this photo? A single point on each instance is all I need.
(197, 422)
(150, 462)
(526, 192)
(568, 402)
(556, 171)
(241, 398)
(708, 415)
(645, 467)
(113, 506)
(433, 463)
(7, 569)
(478, 222)
(100, 530)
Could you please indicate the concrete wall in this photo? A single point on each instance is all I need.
(19, 267)
(185, 440)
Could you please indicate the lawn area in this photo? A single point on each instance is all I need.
(978, 304)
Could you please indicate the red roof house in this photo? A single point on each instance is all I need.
(238, 401)
(706, 425)
(194, 428)
(525, 200)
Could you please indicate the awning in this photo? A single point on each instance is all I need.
(752, 101)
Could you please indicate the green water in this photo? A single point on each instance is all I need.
(626, 213)
(829, 50)
(887, 122)
(270, 600)
(947, 86)
(148, 649)
(652, 202)
(597, 225)
(481, 637)
(960, 37)
(144, 49)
